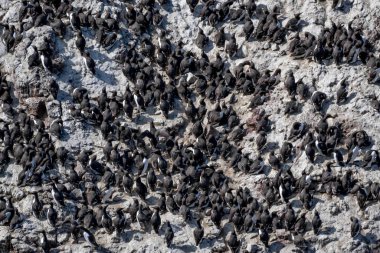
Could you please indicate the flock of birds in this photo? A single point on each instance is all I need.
(156, 169)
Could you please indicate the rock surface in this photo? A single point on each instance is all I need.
(357, 114)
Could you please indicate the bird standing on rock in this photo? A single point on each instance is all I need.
(201, 39)
(198, 233)
(89, 237)
(88, 62)
(233, 241)
(169, 235)
(231, 46)
(341, 94)
(261, 140)
(290, 83)
(80, 42)
(355, 227)
(316, 222)
(248, 28)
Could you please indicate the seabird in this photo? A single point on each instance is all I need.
(248, 28)
(216, 215)
(290, 217)
(139, 101)
(155, 220)
(264, 237)
(371, 158)
(44, 243)
(57, 195)
(274, 161)
(261, 140)
(220, 38)
(321, 147)
(89, 237)
(140, 188)
(233, 241)
(106, 220)
(310, 152)
(316, 222)
(80, 42)
(88, 62)
(198, 232)
(355, 227)
(286, 151)
(151, 179)
(120, 221)
(290, 83)
(46, 61)
(74, 21)
(142, 218)
(36, 206)
(192, 4)
(317, 99)
(52, 216)
(361, 197)
(338, 157)
(231, 46)
(201, 39)
(352, 154)
(56, 128)
(169, 235)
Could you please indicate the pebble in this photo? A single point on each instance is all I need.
(334, 210)
(266, 46)
(137, 237)
(275, 47)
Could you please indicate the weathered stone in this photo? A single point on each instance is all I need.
(36, 106)
(53, 109)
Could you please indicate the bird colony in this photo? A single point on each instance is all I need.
(189, 126)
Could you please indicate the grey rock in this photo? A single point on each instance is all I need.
(53, 109)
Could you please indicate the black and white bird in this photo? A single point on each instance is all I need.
(342, 93)
(352, 154)
(74, 21)
(355, 227)
(293, 23)
(142, 218)
(56, 128)
(338, 157)
(231, 46)
(233, 241)
(261, 140)
(201, 39)
(57, 195)
(89, 237)
(248, 28)
(140, 188)
(119, 222)
(321, 147)
(106, 220)
(52, 215)
(310, 152)
(264, 237)
(88, 62)
(316, 222)
(318, 98)
(36, 206)
(46, 61)
(139, 101)
(371, 158)
(80, 42)
(169, 235)
(155, 220)
(283, 193)
(198, 233)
